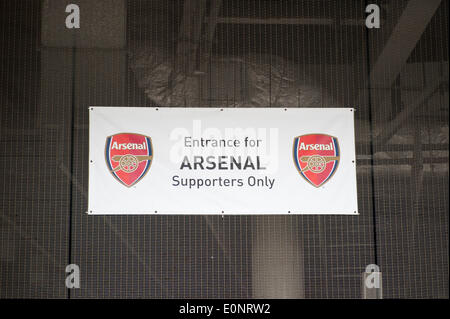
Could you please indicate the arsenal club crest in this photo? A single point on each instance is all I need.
(316, 157)
(128, 157)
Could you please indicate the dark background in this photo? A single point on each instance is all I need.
(396, 77)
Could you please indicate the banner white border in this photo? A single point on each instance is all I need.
(129, 110)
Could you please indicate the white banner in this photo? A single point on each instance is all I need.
(222, 161)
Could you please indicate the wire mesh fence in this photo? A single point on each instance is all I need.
(256, 53)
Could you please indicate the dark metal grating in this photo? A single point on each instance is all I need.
(402, 165)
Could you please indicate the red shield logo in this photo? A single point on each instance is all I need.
(128, 157)
(316, 157)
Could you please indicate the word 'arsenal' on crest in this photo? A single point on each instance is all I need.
(128, 157)
(316, 157)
